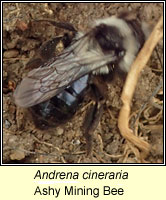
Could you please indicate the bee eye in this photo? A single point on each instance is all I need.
(121, 53)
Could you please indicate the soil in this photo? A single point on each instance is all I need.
(23, 142)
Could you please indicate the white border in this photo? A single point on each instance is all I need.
(90, 164)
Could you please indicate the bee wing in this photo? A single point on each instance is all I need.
(52, 77)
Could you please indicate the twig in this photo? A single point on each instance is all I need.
(130, 84)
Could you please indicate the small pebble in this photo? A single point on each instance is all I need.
(76, 142)
(17, 155)
(7, 124)
(59, 131)
(11, 53)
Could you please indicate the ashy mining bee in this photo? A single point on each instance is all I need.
(54, 90)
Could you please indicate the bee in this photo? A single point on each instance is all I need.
(55, 89)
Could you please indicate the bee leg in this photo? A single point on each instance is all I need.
(67, 38)
(49, 48)
(63, 25)
(92, 119)
(44, 53)
(99, 88)
(48, 51)
(99, 93)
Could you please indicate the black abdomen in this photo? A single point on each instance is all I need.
(61, 107)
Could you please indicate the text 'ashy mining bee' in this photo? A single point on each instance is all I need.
(56, 87)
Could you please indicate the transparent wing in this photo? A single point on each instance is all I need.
(51, 78)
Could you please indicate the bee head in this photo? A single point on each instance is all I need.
(122, 36)
(109, 39)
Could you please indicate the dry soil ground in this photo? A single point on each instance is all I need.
(23, 143)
